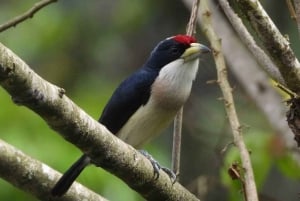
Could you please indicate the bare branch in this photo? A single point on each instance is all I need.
(193, 19)
(65, 117)
(191, 30)
(37, 178)
(257, 86)
(176, 147)
(291, 9)
(28, 14)
(276, 45)
(250, 186)
(297, 10)
(248, 40)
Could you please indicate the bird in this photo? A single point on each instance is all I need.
(146, 102)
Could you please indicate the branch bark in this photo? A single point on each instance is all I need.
(276, 45)
(249, 182)
(191, 30)
(257, 86)
(297, 10)
(263, 59)
(35, 177)
(65, 117)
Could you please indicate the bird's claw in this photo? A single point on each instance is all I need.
(170, 173)
(156, 167)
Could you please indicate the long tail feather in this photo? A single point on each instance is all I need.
(64, 183)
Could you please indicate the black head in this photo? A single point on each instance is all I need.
(168, 50)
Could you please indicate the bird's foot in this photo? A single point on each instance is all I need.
(170, 173)
(156, 167)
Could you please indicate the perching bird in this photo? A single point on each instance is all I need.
(147, 101)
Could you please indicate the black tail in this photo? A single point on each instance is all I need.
(64, 183)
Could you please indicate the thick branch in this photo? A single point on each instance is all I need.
(276, 45)
(62, 115)
(35, 177)
(250, 186)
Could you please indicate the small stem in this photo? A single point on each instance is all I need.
(177, 142)
(291, 9)
(297, 10)
(191, 29)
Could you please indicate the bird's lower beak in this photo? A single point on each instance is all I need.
(194, 51)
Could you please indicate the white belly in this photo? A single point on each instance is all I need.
(145, 124)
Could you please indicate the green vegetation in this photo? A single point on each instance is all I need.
(87, 48)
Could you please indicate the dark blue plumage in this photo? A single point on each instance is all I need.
(127, 99)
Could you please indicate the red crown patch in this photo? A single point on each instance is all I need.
(184, 39)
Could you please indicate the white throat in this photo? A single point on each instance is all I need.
(173, 85)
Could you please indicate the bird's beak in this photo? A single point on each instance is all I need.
(194, 51)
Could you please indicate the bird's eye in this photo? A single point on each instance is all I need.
(174, 50)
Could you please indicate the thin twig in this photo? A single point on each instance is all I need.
(191, 29)
(262, 58)
(291, 9)
(28, 14)
(250, 186)
(176, 150)
(193, 19)
(297, 10)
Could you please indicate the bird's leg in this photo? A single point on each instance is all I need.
(156, 167)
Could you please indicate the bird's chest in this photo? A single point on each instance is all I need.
(168, 95)
(173, 86)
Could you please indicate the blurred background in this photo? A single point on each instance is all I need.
(89, 47)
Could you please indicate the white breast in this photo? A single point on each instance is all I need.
(169, 92)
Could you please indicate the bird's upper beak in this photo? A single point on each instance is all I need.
(194, 51)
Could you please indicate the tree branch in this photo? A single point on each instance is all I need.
(276, 45)
(297, 10)
(291, 9)
(65, 117)
(176, 146)
(257, 86)
(35, 177)
(248, 40)
(28, 14)
(250, 186)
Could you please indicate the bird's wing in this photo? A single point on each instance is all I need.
(127, 98)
